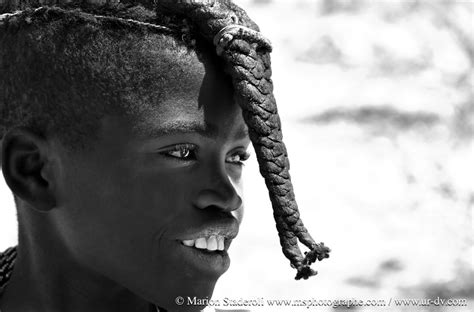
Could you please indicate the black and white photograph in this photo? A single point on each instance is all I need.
(236, 155)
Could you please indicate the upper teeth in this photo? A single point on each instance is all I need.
(211, 243)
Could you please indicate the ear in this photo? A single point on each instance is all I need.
(26, 166)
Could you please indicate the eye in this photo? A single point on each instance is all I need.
(238, 158)
(181, 151)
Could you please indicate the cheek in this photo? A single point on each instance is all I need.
(112, 221)
(146, 203)
(120, 224)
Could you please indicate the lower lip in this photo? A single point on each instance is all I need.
(212, 262)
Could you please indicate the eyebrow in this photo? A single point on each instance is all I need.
(187, 126)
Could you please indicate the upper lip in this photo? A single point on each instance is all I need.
(228, 228)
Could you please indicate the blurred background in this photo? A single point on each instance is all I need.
(377, 105)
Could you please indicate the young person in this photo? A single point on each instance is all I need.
(125, 125)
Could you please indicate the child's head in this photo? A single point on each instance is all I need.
(122, 144)
(124, 134)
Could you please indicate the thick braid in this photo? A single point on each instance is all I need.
(246, 54)
(252, 78)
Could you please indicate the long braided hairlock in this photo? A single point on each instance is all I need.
(246, 55)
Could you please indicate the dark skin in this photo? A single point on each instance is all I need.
(104, 227)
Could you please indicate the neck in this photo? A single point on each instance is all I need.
(47, 278)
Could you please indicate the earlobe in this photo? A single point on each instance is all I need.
(25, 158)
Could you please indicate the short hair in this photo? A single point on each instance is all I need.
(60, 73)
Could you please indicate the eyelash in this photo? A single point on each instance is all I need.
(187, 152)
(183, 151)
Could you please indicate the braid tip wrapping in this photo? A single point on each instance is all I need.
(317, 252)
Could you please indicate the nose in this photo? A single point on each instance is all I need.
(219, 191)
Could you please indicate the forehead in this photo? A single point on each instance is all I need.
(207, 108)
(159, 84)
(196, 95)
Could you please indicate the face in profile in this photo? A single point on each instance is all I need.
(156, 201)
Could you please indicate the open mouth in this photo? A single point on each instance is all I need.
(213, 243)
(207, 254)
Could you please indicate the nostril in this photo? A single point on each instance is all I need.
(218, 189)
